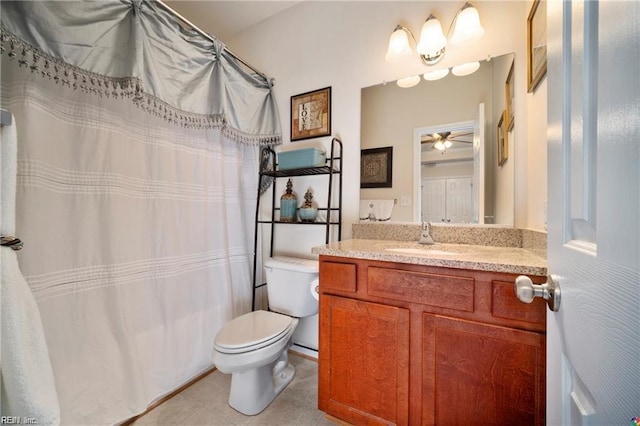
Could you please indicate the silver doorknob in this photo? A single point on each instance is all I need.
(526, 291)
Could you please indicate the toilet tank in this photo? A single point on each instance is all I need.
(288, 282)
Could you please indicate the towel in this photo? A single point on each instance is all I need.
(381, 209)
(28, 390)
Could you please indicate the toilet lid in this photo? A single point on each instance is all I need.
(252, 329)
(289, 263)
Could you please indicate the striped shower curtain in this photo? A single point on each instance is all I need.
(138, 231)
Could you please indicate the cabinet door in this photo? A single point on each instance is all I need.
(364, 361)
(481, 374)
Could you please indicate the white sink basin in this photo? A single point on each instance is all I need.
(421, 251)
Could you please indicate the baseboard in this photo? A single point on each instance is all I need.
(169, 396)
(304, 352)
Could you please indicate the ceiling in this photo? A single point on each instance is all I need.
(225, 19)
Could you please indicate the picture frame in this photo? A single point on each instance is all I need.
(376, 167)
(503, 141)
(536, 44)
(311, 114)
(509, 99)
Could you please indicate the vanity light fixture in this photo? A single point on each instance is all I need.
(432, 44)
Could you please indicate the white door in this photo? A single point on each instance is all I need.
(433, 200)
(459, 198)
(593, 341)
(447, 200)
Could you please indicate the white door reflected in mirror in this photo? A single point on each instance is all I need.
(447, 165)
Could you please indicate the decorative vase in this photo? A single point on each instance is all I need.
(308, 212)
(288, 204)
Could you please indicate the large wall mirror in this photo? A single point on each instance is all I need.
(452, 160)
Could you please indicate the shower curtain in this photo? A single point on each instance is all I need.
(137, 178)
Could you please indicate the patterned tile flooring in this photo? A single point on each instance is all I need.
(205, 403)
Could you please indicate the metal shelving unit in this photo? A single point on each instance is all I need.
(269, 170)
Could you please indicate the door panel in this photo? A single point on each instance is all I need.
(459, 193)
(593, 91)
(433, 200)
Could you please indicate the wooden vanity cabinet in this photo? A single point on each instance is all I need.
(421, 345)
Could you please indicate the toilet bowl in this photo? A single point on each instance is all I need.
(253, 347)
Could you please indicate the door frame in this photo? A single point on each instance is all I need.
(417, 155)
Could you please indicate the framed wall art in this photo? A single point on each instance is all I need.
(503, 142)
(536, 44)
(509, 98)
(376, 167)
(311, 114)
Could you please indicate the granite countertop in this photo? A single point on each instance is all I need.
(461, 256)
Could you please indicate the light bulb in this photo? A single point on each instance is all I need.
(467, 28)
(399, 47)
(432, 39)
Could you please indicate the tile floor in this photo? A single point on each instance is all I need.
(205, 403)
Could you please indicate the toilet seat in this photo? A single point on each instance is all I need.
(252, 331)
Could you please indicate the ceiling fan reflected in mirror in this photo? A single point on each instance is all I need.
(448, 140)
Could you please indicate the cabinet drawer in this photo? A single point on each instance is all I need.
(338, 276)
(505, 304)
(443, 291)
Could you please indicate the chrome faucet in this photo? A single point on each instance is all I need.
(425, 235)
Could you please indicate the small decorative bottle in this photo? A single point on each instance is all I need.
(308, 212)
(288, 204)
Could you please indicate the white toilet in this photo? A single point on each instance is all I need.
(253, 347)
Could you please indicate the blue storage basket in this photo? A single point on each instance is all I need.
(299, 158)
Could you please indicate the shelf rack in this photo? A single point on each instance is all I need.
(269, 170)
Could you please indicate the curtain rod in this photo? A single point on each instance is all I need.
(207, 36)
